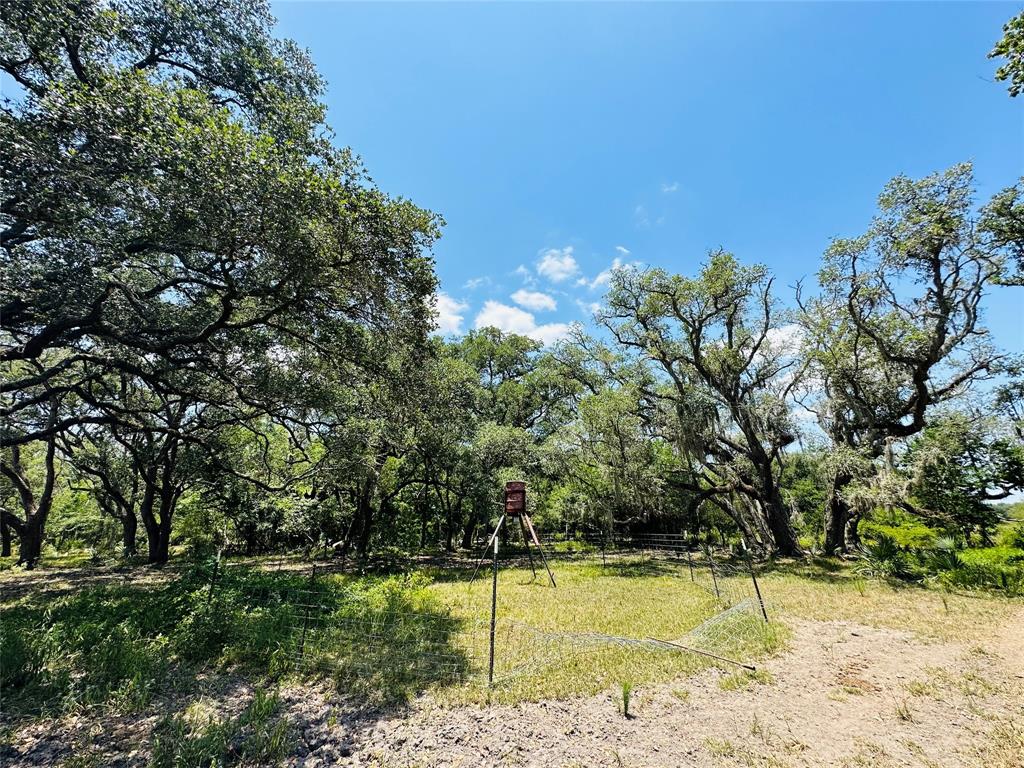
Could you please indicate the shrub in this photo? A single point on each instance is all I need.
(1014, 537)
(910, 534)
(883, 557)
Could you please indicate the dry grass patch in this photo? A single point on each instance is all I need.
(927, 612)
(560, 642)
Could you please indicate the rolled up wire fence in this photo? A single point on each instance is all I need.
(386, 647)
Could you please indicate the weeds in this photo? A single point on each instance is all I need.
(627, 693)
(255, 737)
(740, 680)
(116, 646)
(903, 711)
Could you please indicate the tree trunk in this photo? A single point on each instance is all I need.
(779, 523)
(160, 552)
(149, 520)
(129, 533)
(37, 509)
(777, 515)
(851, 536)
(5, 538)
(160, 532)
(364, 515)
(837, 517)
(30, 545)
(469, 530)
(423, 517)
(159, 546)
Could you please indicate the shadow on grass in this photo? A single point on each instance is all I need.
(118, 646)
(815, 568)
(638, 568)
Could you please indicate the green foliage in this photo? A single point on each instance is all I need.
(881, 556)
(626, 691)
(804, 486)
(187, 129)
(76, 523)
(998, 568)
(117, 646)
(1011, 48)
(906, 533)
(716, 344)
(1014, 536)
(253, 737)
(957, 466)
(22, 656)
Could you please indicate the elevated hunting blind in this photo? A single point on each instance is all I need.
(513, 505)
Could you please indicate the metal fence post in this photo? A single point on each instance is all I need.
(757, 589)
(714, 576)
(305, 615)
(494, 612)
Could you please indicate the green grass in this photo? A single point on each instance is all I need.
(906, 533)
(197, 738)
(740, 680)
(633, 598)
(118, 646)
(828, 591)
(386, 638)
(115, 646)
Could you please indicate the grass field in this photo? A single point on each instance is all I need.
(630, 598)
(117, 647)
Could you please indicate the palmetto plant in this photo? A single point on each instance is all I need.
(945, 556)
(882, 557)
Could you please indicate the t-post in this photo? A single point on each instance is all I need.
(494, 609)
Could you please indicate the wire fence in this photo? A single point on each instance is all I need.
(381, 643)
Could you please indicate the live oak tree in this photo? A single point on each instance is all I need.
(33, 490)
(718, 339)
(897, 328)
(1011, 48)
(1001, 225)
(957, 467)
(172, 202)
(612, 455)
(105, 470)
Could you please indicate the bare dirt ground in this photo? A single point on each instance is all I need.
(842, 694)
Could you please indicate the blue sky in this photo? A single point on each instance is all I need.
(555, 138)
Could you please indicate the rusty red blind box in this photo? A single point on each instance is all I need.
(515, 498)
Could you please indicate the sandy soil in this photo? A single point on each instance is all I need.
(842, 694)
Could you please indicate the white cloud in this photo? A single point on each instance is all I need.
(549, 333)
(514, 320)
(604, 277)
(623, 250)
(504, 317)
(641, 218)
(525, 274)
(557, 264)
(669, 187)
(786, 339)
(589, 308)
(448, 312)
(475, 282)
(535, 300)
